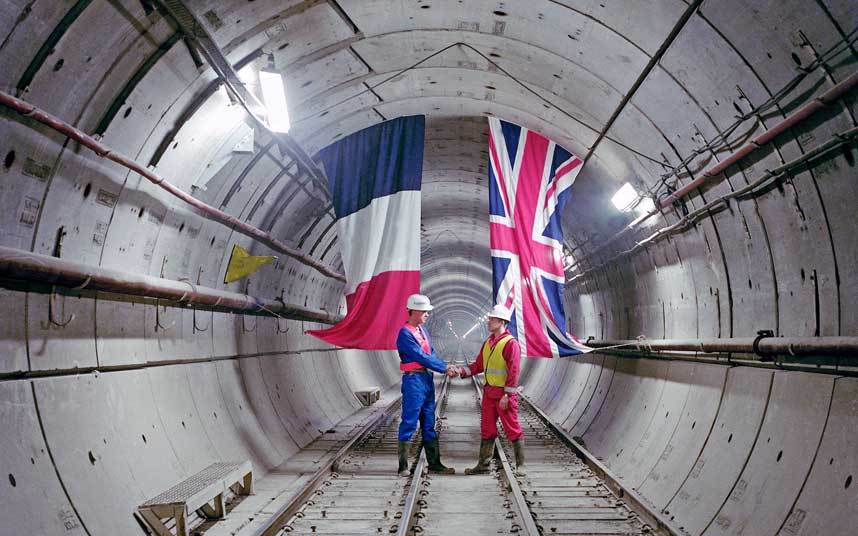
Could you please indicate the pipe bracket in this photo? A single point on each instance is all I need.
(762, 334)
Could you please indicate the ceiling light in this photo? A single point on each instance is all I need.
(274, 95)
(625, 197)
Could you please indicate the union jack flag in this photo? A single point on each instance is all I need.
(529, 183)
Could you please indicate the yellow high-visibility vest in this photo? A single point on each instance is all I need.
(494, 365)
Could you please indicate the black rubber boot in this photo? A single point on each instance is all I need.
(403, 458)
(433, 457)
(518, 448)
(486, 448)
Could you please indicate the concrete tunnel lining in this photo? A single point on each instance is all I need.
(721, 449)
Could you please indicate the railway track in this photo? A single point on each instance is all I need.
(362, 494)
(561, 494)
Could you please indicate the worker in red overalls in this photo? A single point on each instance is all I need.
(500, 359)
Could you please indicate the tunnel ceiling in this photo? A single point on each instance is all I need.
(582, 73)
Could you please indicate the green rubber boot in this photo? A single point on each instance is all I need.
(433, 457)
(403, 458)
(518, 448)
(486, 448)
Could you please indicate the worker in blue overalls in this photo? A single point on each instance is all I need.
(417, 361)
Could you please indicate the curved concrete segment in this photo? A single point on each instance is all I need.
(743, 454)
(107, 400)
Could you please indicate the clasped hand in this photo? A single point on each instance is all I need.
(453, 371)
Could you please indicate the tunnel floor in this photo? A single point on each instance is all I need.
(361, 493)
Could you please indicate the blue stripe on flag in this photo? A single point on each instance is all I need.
(554, 228)
(375, 162)
(499, 267)
(562, 349)
(511, 134)
(513, 325)
(554, 295)
(495, 202)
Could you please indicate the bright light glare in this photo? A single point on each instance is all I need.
(248, 75)
(645, 206)
(624, 197)
(274, 95)
(475, 326)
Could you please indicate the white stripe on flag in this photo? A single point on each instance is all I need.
(391, 222)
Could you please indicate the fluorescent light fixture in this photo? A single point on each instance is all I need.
(624, 197)
(274, 95)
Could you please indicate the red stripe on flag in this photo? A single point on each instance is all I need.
(562, 170)
(376, 311)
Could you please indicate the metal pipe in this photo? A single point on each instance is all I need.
(28, 110)
(20, 265)
(788, 122)
(837, 141)
(761, 345)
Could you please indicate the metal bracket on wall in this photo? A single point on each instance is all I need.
(158, 325)
(52, 309)
(763, 334)
(244, 325)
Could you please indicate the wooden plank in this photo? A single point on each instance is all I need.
(155, 522)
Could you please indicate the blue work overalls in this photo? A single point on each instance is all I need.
(418, 388)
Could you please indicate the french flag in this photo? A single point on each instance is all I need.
(374, 177)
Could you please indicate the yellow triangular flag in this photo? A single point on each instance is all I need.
(242, 264)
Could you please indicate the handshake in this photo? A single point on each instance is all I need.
(454, 371)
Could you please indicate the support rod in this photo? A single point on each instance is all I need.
(653, 61)
(764, 346)
(17, 265)
(28, 110)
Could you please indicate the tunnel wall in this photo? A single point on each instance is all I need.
(88, 448)
(784, 261)
(178, 388)
(720, 450)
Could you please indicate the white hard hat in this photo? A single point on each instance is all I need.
(419, 302)
(499, 311)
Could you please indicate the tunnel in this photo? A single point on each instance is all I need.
(721, 304)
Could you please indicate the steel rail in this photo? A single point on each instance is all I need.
(635, 500)
(29, 110)
(529, 525)
(283, 514)
(18, 265)
(410, 507)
